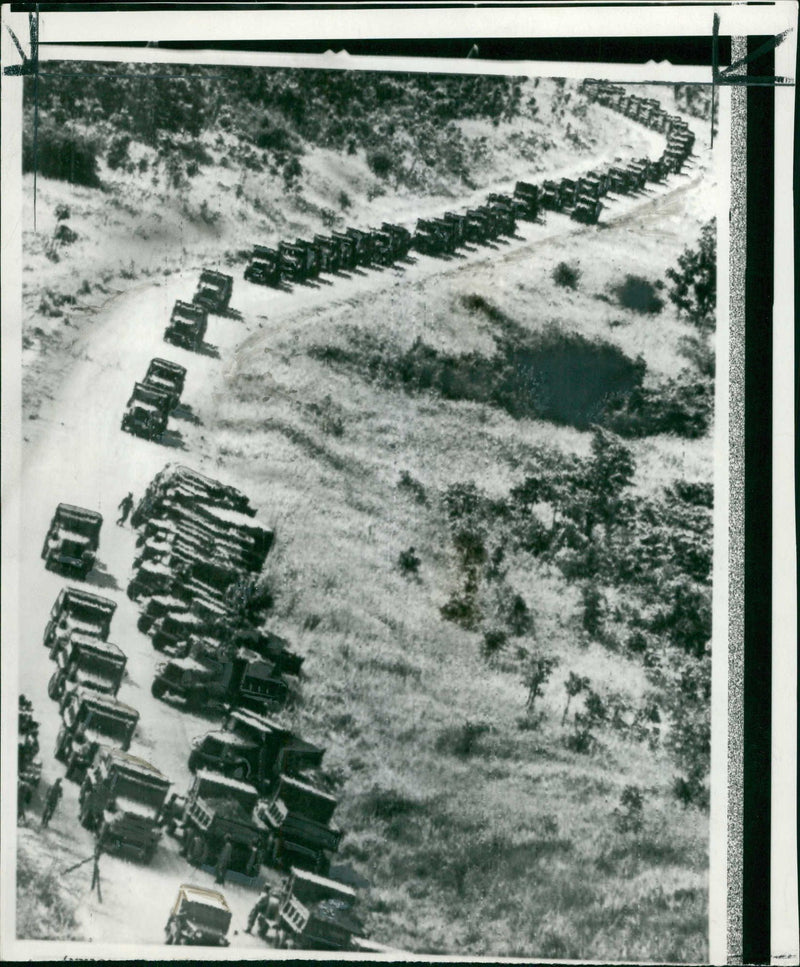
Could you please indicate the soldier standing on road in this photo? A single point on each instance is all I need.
(255, 860)
(260, 909)
(223, 860)
(96, 870)
(126, 506)
(54, 795)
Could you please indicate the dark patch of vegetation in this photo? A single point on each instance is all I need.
(639, 295)
(694, 281)
(413, 487)
(566, 275)
(461, 740)
(409, 562)
(61, 154)
(118, 154)
(550, 375)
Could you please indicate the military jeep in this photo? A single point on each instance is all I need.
(72, 539)
(168, 377)
(79, 611)
(147, 412)
(214, 291)
(200, 917)
(187, 325)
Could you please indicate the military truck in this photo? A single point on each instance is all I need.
(214, 291)
(187, 325)
(550, 196)
(167, 376)
(202, 683)
(348, 257)
(156, 607)
(179, 484)
(254, 747)
(121, 799)
(298, 815)
(172, 632)
(264, 267)
(151, 578)
(89, 663)
(89, 720)
(527, 196)
(311, 912)
(401, 239)
(199, 918)
(72, 540)
(432, 237)
(215, 808)
(270, 647)
(328, 252)
(147, 412)
(79, 611)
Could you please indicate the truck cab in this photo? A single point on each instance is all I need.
(314, 913)
(171, 633)
(214, 291)
(200, 917)
(80, 611)
(187, 325)
(264, 267)
(90, 720)
(168, 377)
(147, 412)
(299, 814)
(89, 663)
(215, 808)
(72, 540)
(121, 799)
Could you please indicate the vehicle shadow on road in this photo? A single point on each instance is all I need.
(172, 438)
(229, 314)
(100, 577)
(186, 413)
(208, 349)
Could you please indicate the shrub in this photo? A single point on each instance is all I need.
(118, 152)
(574, 685)
(566, 275)
(461, 740)
(62, 212)
(380, 162)
(292, 171)
(65, 234)
(629, 814)
(493, 640)
(413, 487)
(408, 562)
(344, 200)
(639, 295)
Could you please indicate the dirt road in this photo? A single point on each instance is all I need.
(76, 452)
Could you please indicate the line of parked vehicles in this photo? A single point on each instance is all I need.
(259, 795)
(258, 791)
(581, 198)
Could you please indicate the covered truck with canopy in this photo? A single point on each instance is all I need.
(121, 799)
(90, 720)
(79, 611)
(88, 662)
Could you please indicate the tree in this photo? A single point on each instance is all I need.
(694, 282)
(537, 673)
(574, 685)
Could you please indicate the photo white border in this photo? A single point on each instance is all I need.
(622, 21)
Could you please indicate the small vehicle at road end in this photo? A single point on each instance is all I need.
(72, 540)
(214, 291)
(187, 325)
(147, 412)
(200, 918)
